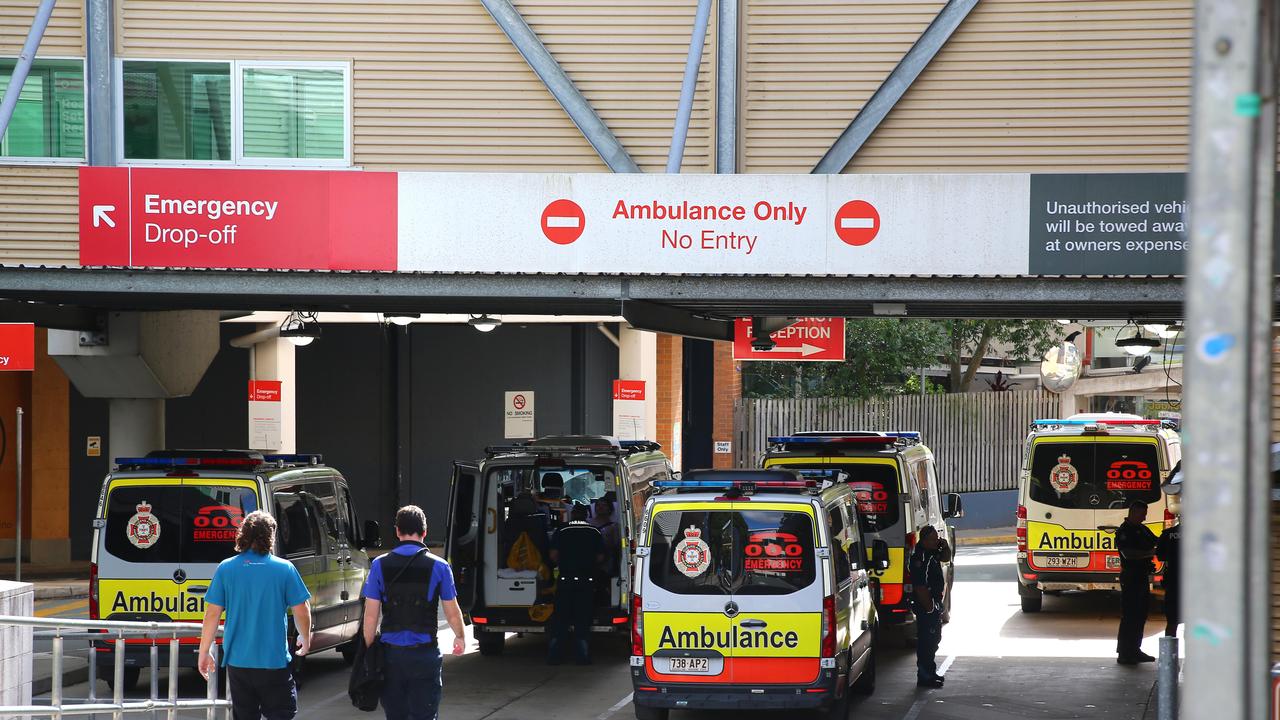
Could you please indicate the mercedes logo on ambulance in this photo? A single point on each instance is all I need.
(731, 609)
(179, 576)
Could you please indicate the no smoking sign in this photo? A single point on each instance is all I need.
(857, 222)
(518, 402)
(563, 221)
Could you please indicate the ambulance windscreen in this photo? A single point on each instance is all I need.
(1094, 475)
(732, 552)
(874, 485)
(175, 523)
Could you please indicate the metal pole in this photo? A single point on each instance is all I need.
(561, 87)
(55, 692)
(1167, 680)
(17, 536)
(100, 79)
(1228, 286)
(23, 66)
(173, 678)
(692, 64)
(727, 86)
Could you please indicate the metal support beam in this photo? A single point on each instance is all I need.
(100, 76)
(561, 87)
(656, 317)
(894, 87)
(1227, 395)
(727, 86)
(54, 317)
(692, 64)
(23, 66)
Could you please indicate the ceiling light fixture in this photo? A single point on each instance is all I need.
(1136, 344)
(484, 323)
(1156, 329)
(300, 328)
(401, 319)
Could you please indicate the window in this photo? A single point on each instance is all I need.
(731, 552)
(296, 523)
(175, 524)
(48, 121)
(835, 520)
(1094, 476)
(327, 498)
(243, 113)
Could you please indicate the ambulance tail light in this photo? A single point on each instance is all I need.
(93, 591)
(1021, 529)
(637, 627)
(828, 627)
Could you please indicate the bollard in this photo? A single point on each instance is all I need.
(1275, 691)
(55, 694)
(173, 677)
(1167, 679)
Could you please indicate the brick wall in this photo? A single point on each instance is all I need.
(727, 388)
(670, 394)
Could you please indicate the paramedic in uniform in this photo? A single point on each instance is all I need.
(1168, 552)
(926, 601)
(578, 550)
(1137, 545)
(405, 587)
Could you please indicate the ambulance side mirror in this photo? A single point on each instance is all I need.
(880, 555)
(372, 534)
(856, 557)
(952, 506)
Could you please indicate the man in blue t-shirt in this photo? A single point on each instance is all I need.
(406, 587)
(257, 589)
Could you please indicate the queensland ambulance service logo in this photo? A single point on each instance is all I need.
(692, 557)
(144, 528)
(1064, 477)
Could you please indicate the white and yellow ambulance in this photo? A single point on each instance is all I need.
(1079, 476)
(751, 590)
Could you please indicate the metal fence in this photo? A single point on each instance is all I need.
(102, 632)
(976, 438)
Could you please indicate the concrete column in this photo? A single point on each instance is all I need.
(276, 360)
(638, 360)
(137, 426)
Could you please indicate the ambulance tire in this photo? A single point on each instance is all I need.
(837, 709)
(348, 650)
(866, 682)
(651, 713)
(131, 675)
(1032, 604)
(491, 643)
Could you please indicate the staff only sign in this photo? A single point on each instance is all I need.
(954, 224)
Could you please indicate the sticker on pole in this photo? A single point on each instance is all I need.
(857, 222)
(144, 528)
(563, 221)
(693, 556)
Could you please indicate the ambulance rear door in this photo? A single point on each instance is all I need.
(161, 539)
(462, 534)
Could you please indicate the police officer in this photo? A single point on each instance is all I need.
(926, 602)
(405, 587)
(578, 550)
(1168, 551)
(1137, 545)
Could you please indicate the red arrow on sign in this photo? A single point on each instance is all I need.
(563, 221)
(857, 222)
(809, 339)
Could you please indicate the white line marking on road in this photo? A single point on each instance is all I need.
(861, 223)
(564, 221)
(946, 664)
(616, 707)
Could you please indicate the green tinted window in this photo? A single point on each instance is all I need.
(48, 121)
(294, 113)
(177, 111)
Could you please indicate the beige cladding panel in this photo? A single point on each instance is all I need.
(39, 207)
(1044, 85)
(438, 86)
(64, 37)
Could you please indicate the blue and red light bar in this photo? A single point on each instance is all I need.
(875, 440)
(727, 484)
(1097, 422)
(168, 462)
(296, 458)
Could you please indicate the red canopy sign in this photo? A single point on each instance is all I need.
(809, 339)
(269, 219)
(17, 346)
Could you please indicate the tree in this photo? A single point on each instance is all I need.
(1025, 339)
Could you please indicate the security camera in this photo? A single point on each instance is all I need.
(763, 344)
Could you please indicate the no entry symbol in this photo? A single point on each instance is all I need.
(518, 401)
(857, 222)
(563, 222)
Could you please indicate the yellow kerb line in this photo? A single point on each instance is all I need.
(51, 611)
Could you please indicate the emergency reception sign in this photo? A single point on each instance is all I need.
(17, 346)
(808, 339)
(181, 217)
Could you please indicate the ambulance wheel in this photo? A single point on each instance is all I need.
(1033, 603)
(838, 709)
(491, 643)
(651, 713)
(131, 675)
(348, 650)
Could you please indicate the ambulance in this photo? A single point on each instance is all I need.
(895, 482)
(1078, 477)
(166, 520)
(752, 591)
